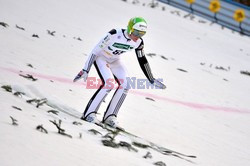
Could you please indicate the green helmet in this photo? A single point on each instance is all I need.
(137, 23)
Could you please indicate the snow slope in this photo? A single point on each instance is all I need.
(204, 111)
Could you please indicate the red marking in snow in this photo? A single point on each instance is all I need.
(192, 105)
(46, 77)
(135, 92)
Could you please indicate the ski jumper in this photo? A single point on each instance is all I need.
(106, 59)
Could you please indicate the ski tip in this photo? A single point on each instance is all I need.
(166, 152)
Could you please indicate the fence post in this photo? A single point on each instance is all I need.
(190, 5)
(239, 16)
(214, 7)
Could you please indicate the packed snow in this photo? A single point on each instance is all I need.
(204, 111)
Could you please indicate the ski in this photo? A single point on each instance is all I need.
(166, 151)
(115, 129)
(162, 150)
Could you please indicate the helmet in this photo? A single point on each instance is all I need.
(137, 23)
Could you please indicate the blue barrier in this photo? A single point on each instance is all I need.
(224, 16)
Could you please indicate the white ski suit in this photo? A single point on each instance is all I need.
(106, 59)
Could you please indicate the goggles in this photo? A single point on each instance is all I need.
(137, 33)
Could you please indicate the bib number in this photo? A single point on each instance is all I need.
(118, 52)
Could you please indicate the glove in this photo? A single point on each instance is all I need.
(158, 84)
(82, 74)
